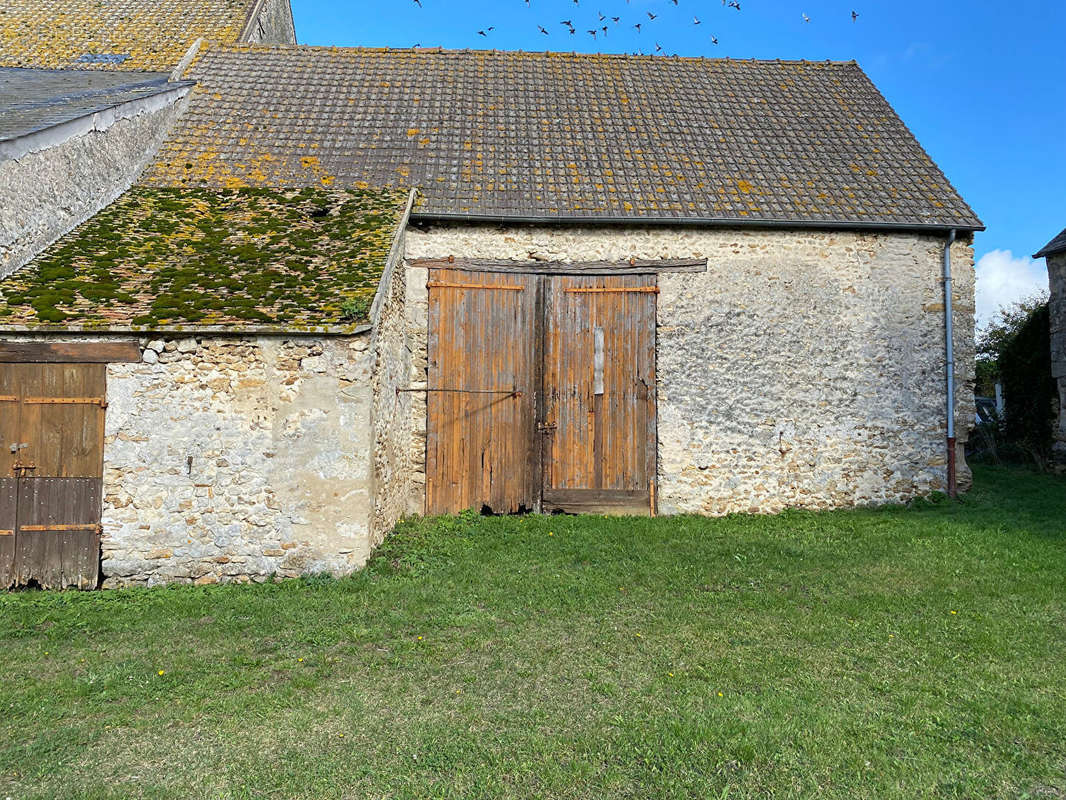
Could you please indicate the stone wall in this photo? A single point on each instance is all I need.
(72, 171)
(803, 369)
(1056, 270)
(396, 439)
(273, 25)
(237, 458)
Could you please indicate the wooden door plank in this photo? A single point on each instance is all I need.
(602, 441)
(480, 340)
(10, 391)
(597, 501)
(8, 494)
(58, 532)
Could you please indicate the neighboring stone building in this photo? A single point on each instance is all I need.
(626, 284)
(87, 92)
(1055, 253)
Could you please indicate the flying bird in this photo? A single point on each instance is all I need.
(854, 15)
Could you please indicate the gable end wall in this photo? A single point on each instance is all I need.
(803, 369)
(272, 25)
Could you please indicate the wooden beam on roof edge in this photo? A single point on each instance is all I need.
(70, 352)
(633, 266)
(395, 255)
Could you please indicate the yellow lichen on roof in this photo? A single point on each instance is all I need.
(117, 34)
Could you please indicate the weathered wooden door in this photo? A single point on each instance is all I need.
(480, 404)
(541, 392)
(51, 466)
(599, 387)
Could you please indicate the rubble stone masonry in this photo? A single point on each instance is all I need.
(1056, 269)
(803, 369)
(238, 458)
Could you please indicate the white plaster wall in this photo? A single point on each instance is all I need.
(803, 369)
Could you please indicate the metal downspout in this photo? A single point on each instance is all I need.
(949, 348)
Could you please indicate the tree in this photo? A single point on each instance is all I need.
(1015, 349)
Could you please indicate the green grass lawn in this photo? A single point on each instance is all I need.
(893, 653)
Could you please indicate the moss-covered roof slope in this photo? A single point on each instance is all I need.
(241, 259)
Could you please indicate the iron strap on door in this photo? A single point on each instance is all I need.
(65, 401)
(621, 290)
(511, 392)
(502, 287)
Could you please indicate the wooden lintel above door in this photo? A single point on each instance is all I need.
(632, 266)
(119, 351)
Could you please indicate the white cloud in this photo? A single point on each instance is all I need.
(1003, 279)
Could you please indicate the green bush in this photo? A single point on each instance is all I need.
(1016, 350)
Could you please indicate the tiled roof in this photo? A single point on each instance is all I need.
(561, 136)
(250, 259)
(1054, 247)
(34, 99)
(113, 34)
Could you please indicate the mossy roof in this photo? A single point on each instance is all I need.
(115, 34)
(178, 259)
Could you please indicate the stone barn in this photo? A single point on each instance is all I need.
(1055, 253)
(328, 287)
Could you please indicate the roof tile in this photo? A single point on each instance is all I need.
(1054, 247)
(561, 136)
(122, 34)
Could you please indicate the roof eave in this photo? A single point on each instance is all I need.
(1047, 252)
(708, 222)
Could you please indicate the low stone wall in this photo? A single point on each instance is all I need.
(1056, 270)
(238, 458)
(803, 369)
(46, 192)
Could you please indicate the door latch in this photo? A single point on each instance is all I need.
(546, 427)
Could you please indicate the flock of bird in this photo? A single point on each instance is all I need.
(605, 22)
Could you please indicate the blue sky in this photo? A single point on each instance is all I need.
(981, 84)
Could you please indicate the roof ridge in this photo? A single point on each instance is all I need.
(274, 48)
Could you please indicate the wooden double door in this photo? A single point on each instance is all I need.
(51, 462)
(541, 392)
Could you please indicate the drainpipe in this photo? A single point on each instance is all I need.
(949, 348)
